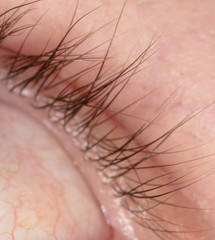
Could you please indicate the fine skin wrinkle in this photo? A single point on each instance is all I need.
(135, 93)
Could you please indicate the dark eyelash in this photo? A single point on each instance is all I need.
(90, 102)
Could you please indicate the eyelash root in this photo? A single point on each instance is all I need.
(86, 108)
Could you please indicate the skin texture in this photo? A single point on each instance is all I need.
(178, 77)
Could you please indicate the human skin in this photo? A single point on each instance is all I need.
(178, 79)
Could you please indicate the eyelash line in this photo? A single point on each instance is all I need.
(70, 104)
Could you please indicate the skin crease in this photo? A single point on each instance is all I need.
(181, 69)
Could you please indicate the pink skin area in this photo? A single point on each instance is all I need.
(180, 68)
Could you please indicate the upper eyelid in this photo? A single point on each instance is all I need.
(26, 62)
(123, 151)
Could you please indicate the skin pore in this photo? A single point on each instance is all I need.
(172, 91)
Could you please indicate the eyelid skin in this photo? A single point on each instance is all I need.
(143, 150)
(120, 226)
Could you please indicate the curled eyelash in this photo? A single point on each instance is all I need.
(86, 108)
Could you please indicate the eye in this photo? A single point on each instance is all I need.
(42, 193)
(49, 196)
(72, 94)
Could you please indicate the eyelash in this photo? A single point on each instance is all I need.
(89, 103)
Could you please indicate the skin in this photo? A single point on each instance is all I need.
(179, 80)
